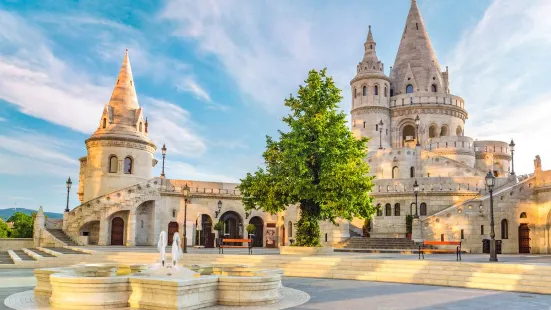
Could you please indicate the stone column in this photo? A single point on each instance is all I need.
(103, 231)
(131, 229)
(38, 226)
(417, 233)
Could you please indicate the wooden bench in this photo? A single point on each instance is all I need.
(226, 240)
(457, 250)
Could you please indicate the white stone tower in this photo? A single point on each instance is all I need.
(120, 152)
(370, 98)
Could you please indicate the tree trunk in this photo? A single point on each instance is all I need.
(308, 229)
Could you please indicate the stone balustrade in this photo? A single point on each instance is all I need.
(427, 99)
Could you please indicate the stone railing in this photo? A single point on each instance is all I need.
(495, 147)
(426, 99)
(450, 143)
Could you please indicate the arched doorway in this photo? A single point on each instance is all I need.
(523, 238)
(408, 134)
(205, 236)
(117, 231)
(172, 228)
(259, 233)
(233, 225)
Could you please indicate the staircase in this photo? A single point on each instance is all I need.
(378, 245)
(60, 235)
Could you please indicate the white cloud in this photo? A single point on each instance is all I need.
(190, 85)
(184, 171)
(501, 69)
(3, 119)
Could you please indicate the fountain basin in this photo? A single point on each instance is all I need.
(43, 287)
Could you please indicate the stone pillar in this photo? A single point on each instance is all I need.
(417, 233)
(131, 229)
(103, 231)
(65, 221)
(38, 226)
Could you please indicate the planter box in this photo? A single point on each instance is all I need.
(304, 251)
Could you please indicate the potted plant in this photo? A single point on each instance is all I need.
(251, 229)
(409, 225)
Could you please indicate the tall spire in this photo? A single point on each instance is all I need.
(124, 93)
(370, 61)
(415, 52)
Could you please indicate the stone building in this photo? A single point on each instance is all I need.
(416, 128)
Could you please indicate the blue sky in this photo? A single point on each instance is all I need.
(212, 76)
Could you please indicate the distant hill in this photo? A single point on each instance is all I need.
(5, 214)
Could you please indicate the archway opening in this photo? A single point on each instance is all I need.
(117, 231)
(523, 238)
(444, 131)
(433, 131)
(259, 233)
(233, 225)
(408, 134)
(172, 228)
(91, 230)
(204, 236)
(145, 227)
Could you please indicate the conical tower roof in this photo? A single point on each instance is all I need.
(415, 53)
(370, 62)
(124, 94)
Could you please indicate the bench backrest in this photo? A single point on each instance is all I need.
(236, 240)
(442, 242)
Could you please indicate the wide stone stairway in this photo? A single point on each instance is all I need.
(5, 258)
(389, 245)
(60, 235)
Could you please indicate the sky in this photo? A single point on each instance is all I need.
(212, 76)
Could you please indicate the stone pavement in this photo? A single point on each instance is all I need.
(350, 294)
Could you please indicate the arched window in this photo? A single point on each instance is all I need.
(140, 127)
(113, 164)
(379, 210)
(364, 91)
(376, 90)
(423, 209)
(504, 229)
(397, 209)
(433, 131)
(409, 89)
(386, 91)
(104, 123)
(459, 131)
(395, 172)
(523, 215)
(355, 93)
(388, 210)
(444, 131)
(391, 92)
(433, 88)
(128, 165)
(290, 229)
(412, 172)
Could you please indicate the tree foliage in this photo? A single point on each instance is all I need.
(4, 230)
(22, 225)
(317, 164)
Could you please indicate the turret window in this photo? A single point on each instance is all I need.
(409, 89)
(392, 94)
(128, 165)
(355, 93)
(386, 93)
(388, 209)
(459, 131)
(397, 209)
(433, 131)
(364, 92)
(444, 131)
(423, 209)
(433, 88)
(104, 125)
(376, 90)
(113, 164)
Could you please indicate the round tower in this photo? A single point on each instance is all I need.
(370, 99)
(119, 153)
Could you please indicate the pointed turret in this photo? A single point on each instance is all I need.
(416, 52)
(124, 94)
(370, 62)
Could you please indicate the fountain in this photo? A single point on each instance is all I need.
(160, 286)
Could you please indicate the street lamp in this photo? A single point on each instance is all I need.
(381, 135)
(69, 183)
(163, 150)
(186, 196)
(217, 212)
(490, 183)
(417, 123)
(512, 146)
(416, 192)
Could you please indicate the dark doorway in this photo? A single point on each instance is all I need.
(117, 231)
(172, 228)
(523, 238)
(283, 235)
(259, 233)
(232, 226)
(205, 236)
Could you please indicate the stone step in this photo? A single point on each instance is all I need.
(41, 253)
(5, 258)
(23, 255)
(59, 234)
(65, 251)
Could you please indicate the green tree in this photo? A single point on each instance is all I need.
(4, 230)
(22, 225)
(317, 165)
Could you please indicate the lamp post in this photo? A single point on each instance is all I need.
(417, 123)
(163, 150)
(69, 183)
(416, 192)
(186, 196)
(217, 212)
(512, 146)
(381, 135)
(490, 183)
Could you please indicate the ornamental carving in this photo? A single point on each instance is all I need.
(121, 143)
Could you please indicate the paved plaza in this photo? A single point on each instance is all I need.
(342, 294)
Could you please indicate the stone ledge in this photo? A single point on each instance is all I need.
(304, 251)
